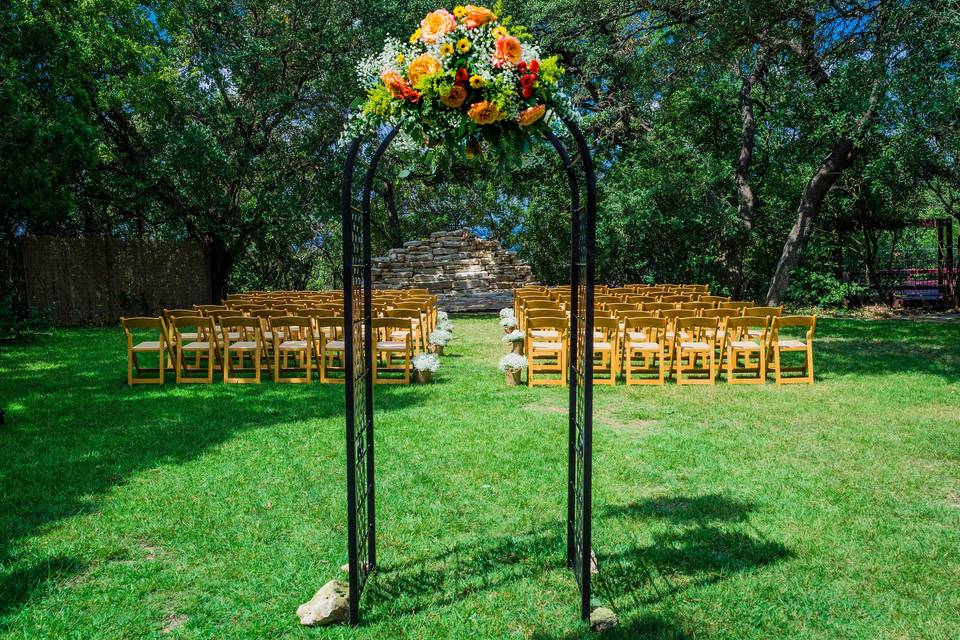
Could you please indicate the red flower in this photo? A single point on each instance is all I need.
(522, 66)
(462, 75)
(526, 92)
(535, 66)
(526, 81)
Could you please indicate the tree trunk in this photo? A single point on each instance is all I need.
(221, 261)
(394, 231)
(746, 197)
(826, 175)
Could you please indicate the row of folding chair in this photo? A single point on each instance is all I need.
(293, 348)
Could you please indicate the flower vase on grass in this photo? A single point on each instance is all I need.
(509, 324)
(438, 340)
(515, 340)
(512, 366)
(424, 366)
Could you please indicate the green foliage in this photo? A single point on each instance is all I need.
(19, 325)
(810, 288)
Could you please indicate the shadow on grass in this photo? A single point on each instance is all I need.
(76, 430)
(698, 540)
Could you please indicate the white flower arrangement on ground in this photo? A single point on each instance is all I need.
(440, 337)
(513, 336)
(442, 316)
(508, 322)
(426, 362)
(513, 362)
(506, 312)
(445, 325)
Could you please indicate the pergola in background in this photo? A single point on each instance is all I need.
(358, 335)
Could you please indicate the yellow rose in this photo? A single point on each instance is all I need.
(476, 81)
(422, 67)
(455, 97)
(484, 112)
(528, 116)
(446, 49)
(500, 32)
(477, 16)
(415, 36)
(463, 45)
(459, 11)
(436, 25)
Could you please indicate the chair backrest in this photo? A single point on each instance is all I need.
(698, 329)
(383, 328)
(672, 315)
(609, 327)
(714, 299)
(720, 314)
(204, 308)
(291, 326)
(765, 312)
(696, 306)
(735, 304)
(781, 322)
(675, 298)
(545, 313)
(626, 316)
(657, 307)
(142, 323)
(539, 303)
(558, 324)
(620, 306)
(738, 328)
(249, 328)
(203, 324)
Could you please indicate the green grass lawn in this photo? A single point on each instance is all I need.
(830, 511)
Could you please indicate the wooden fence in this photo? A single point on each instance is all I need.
(93, 280)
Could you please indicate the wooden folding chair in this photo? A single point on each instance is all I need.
(159, 346)
(693, 343)
(645, 338)
(606, 350)
(714, 299)
(393, 352)
(203, 345)
(737, 305)
(546, 355)
(418, 324)
(331, 348)
(241, 336)
(742, 352)
(292, 335)
(779, 343)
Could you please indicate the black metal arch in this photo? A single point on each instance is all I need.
(358, 337)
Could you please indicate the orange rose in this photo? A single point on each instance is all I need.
(395, 84)
(436, 25)
(508, 49)
(528, 116)
(455, 98)
(422, 67)
(477, 16)
(484, 112)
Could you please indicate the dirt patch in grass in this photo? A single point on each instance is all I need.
(173, 622)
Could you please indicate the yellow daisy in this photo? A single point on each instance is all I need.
(415, 36)
(500, 32)
(459, 11)
(446, 49)
(400, 58)
(476, 81)
(463, 45)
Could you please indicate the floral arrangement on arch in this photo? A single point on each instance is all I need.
(464, 80)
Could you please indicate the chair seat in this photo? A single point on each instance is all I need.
(695, 346)
(334, 345)
(391, 345)
(645, 346)
(602, 346)
(544, 333)
(745, 344)
(292, 345)
(243, 345)
(196, 346)
(188, 336)
(791, 344)
(548, 346)
(149, 345)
